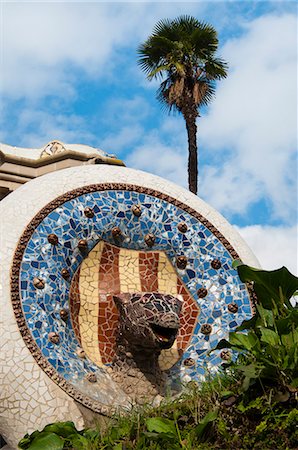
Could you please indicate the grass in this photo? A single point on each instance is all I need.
(215, 415)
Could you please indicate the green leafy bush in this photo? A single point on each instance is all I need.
(269, 348)
(60, 435)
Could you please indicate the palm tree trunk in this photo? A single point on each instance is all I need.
(191, 128)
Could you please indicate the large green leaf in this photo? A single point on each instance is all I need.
(266, 317)
(269, 336)
(243, 341)
(267, 284)
(161, 425)
(63, 429)
(47, 441)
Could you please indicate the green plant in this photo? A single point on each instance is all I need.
(58, 436)
(182, 53)
(268, 350)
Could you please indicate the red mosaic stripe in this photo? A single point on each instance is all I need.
(148, 267)
(108, 316)
(74, 304)
(188, 317)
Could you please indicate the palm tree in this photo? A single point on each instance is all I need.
(181, 53)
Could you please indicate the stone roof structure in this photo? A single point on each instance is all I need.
(19, 165)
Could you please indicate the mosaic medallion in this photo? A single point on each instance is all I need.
(102, 240)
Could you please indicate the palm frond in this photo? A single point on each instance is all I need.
(158, 71)
(204, 41)
(203, 92)
(167, 29)
(181, 52)
(165, 105)
(216, 68)
(187, 23)
(157, 52)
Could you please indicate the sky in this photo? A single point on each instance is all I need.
(68, 71)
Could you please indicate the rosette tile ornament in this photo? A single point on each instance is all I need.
(206, 329)
(54, 337)
(116, 232)
(233, 308)
(83, 244)
(88, 212)
(150, 239)
(64, 313)
(225, 355)
(91, 377)
(38, 283)
(181, 262)
(216, 264)
(189, 362)
(53, 239)
(136, 210)
(65, 273)
(182, 227)
(202, 292)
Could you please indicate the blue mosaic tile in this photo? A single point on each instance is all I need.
(113, 208)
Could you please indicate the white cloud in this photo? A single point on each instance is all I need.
(162, 154)
(126, 110)
(45, 127)
(273, 246)
(121, 139)
(44, 44)
(254, 116)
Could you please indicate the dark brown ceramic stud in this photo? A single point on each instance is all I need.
(54, 337)
(83, 244)
(53, 239)
(80, 352)
(116, 232)
(38, 283)
(216, 264)
(91, 377)
(89, 212)
(206, 328)
(202, 292)
(225, 355)
(149, 239)
(64, 314)
(189, 362)
(182, 227)
(136, 210)
(65, 274)
(233, 308)
(181, 262)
